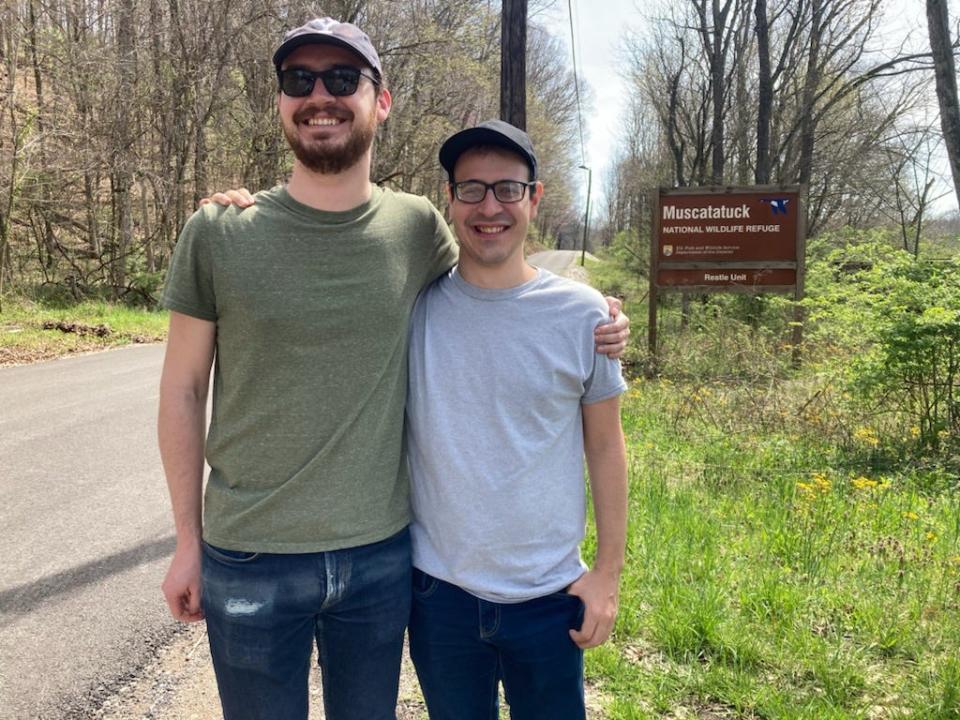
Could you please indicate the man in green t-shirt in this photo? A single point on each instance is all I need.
(303, 302)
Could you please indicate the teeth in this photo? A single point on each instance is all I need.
(490, 229)
(322, 121)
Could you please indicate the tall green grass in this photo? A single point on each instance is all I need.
(763, 582)
(792, 553)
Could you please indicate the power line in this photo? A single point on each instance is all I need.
(576, 82)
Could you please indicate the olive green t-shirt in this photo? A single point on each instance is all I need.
(311, 308)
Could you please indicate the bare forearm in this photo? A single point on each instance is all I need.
(607, 461)
(608, 485)
(181, 430)
(598, 588)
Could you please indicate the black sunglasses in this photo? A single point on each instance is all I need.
(505, 191)
(339, 81)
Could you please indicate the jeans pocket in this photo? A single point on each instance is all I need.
(229, 557)
(424, 585)
(569, 605)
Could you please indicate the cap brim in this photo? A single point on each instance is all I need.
(316, 39)
(458, 144)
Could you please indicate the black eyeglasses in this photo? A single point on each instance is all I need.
(339, 81)
(505, 191)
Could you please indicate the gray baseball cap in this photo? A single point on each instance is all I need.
(327, 31)
(490, 132)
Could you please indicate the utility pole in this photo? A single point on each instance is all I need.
(513, 63)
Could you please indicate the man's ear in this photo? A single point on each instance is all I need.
(536, 195)
(448, 211)
(384, 103)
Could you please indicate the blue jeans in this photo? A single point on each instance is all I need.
(264, 612)
(462, 646)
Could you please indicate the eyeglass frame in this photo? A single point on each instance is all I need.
(487, 187)
(322, 75)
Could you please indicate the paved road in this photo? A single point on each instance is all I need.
(85, 530)
(556, 261)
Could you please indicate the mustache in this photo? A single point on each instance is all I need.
(308, 111)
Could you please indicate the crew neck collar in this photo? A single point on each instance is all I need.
(330, 217)
(481, 293)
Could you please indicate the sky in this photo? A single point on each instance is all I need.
(600, 27)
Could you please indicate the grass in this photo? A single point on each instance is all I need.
(779, 563)
(755, 588)
(23, 337)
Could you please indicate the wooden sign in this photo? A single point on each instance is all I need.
(726, 239)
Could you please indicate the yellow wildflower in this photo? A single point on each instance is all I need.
(915, 432)
(864, 483)
(866, 435)
(818, 485)
(910, 515)
(931, 537)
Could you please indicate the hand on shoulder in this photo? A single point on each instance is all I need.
(241, 197)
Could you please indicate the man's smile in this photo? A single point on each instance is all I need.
(490, 229)
(323, 121)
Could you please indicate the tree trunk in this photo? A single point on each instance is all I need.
(764, 94)
(811, 84)
(123, 162)
(45, 175)
(945, 73)
(713, 34)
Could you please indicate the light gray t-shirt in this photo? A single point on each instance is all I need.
(494, 431)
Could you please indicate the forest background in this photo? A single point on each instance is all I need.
(117, 116)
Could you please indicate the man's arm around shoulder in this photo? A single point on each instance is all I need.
(598, 588)
(181, 430)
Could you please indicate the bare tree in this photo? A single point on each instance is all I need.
(769, 75)
(718, 25)
(938, 27)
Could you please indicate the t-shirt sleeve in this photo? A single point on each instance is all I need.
(189, 287)
(606, 379)
(444, 251)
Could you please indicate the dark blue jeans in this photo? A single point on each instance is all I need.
(264, 612)
(462, 646)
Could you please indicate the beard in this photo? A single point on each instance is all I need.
(326, 157)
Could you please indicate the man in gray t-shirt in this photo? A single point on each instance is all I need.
(506, 395)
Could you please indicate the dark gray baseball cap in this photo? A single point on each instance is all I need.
(490, 132)
(327, 31)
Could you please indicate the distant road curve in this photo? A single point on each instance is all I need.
(556, 261)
